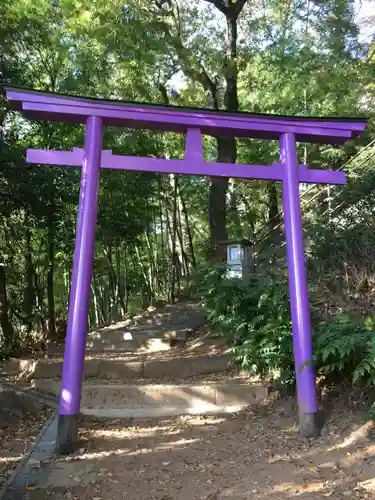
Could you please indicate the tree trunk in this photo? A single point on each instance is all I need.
(50, 276)
(182, 255)
(217, 217)
(144, 271)
(29, 298)
(273, 206)
(95, 302)
(126, 280)
(99, 302)
(233, 210)
(152, 270)
(112, 280)
(188, 232)
(195, 70)
(175, 271)
(227, 153)
(227, 150)
(5, 324)
(184, 260)
(120, 283)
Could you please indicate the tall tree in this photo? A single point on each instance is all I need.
(219, 85)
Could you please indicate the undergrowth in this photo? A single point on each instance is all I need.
(254, 317)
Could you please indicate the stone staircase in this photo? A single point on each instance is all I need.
(162, 363)
(157, 329)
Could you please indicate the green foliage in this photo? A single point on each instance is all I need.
(346, 347)
(239, 307)
(301, 60)
(267, 352)
(254, 316)
(343, 251)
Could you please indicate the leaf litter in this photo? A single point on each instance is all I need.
(256, 454)
(20, 424)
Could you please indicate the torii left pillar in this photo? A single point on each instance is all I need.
(79, 301)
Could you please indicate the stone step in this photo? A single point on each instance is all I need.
(144, 338)
(96, 346)
(122, 367)
(155, 330)
(143, 332)
(156, 400)
(134, 339)
(147, 345)
(188, 313)
(169, 319)
(101, 346)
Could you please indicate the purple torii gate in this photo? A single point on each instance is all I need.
(95, 114)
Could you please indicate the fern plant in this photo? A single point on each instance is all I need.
(346, 347)
(254, 317)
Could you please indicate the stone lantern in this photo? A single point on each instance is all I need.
(239, 258)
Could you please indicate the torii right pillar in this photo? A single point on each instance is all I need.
(298, 290)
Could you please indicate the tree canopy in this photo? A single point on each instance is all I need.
(275, 56)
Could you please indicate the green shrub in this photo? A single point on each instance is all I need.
(346, 347)
(254, 317)
(267, 352)
(238, 307)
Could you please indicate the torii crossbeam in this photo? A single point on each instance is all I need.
(95, 114)
(192, 164)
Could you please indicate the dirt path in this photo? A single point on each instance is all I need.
(255, 455)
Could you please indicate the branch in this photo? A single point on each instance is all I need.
(193, 68)
(220, 4)
(164, 93)
(238, 6)
(230, 8)
(196, 71)
(160, 3)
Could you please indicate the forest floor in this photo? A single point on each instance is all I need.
(256, 454)
(18, 431)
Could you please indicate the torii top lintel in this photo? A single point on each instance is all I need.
(41, 105)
